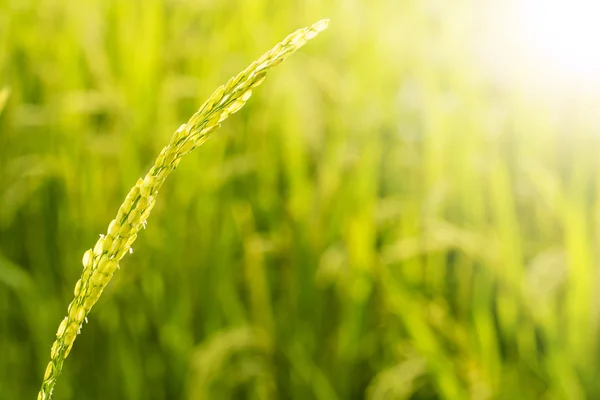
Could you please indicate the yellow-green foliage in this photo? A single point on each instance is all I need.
(4, 93)
(386, 219)
(100, 262)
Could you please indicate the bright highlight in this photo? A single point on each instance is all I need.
(563, 35)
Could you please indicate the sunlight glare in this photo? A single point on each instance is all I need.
(563, 35)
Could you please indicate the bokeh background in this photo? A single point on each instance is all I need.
(405, 209)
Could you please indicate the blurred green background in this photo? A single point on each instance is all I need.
(385, 219)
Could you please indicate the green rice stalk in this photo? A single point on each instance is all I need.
(100, 262)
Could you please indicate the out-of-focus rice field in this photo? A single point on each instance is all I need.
(396, 214)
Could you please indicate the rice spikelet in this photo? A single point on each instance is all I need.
(101, 261)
